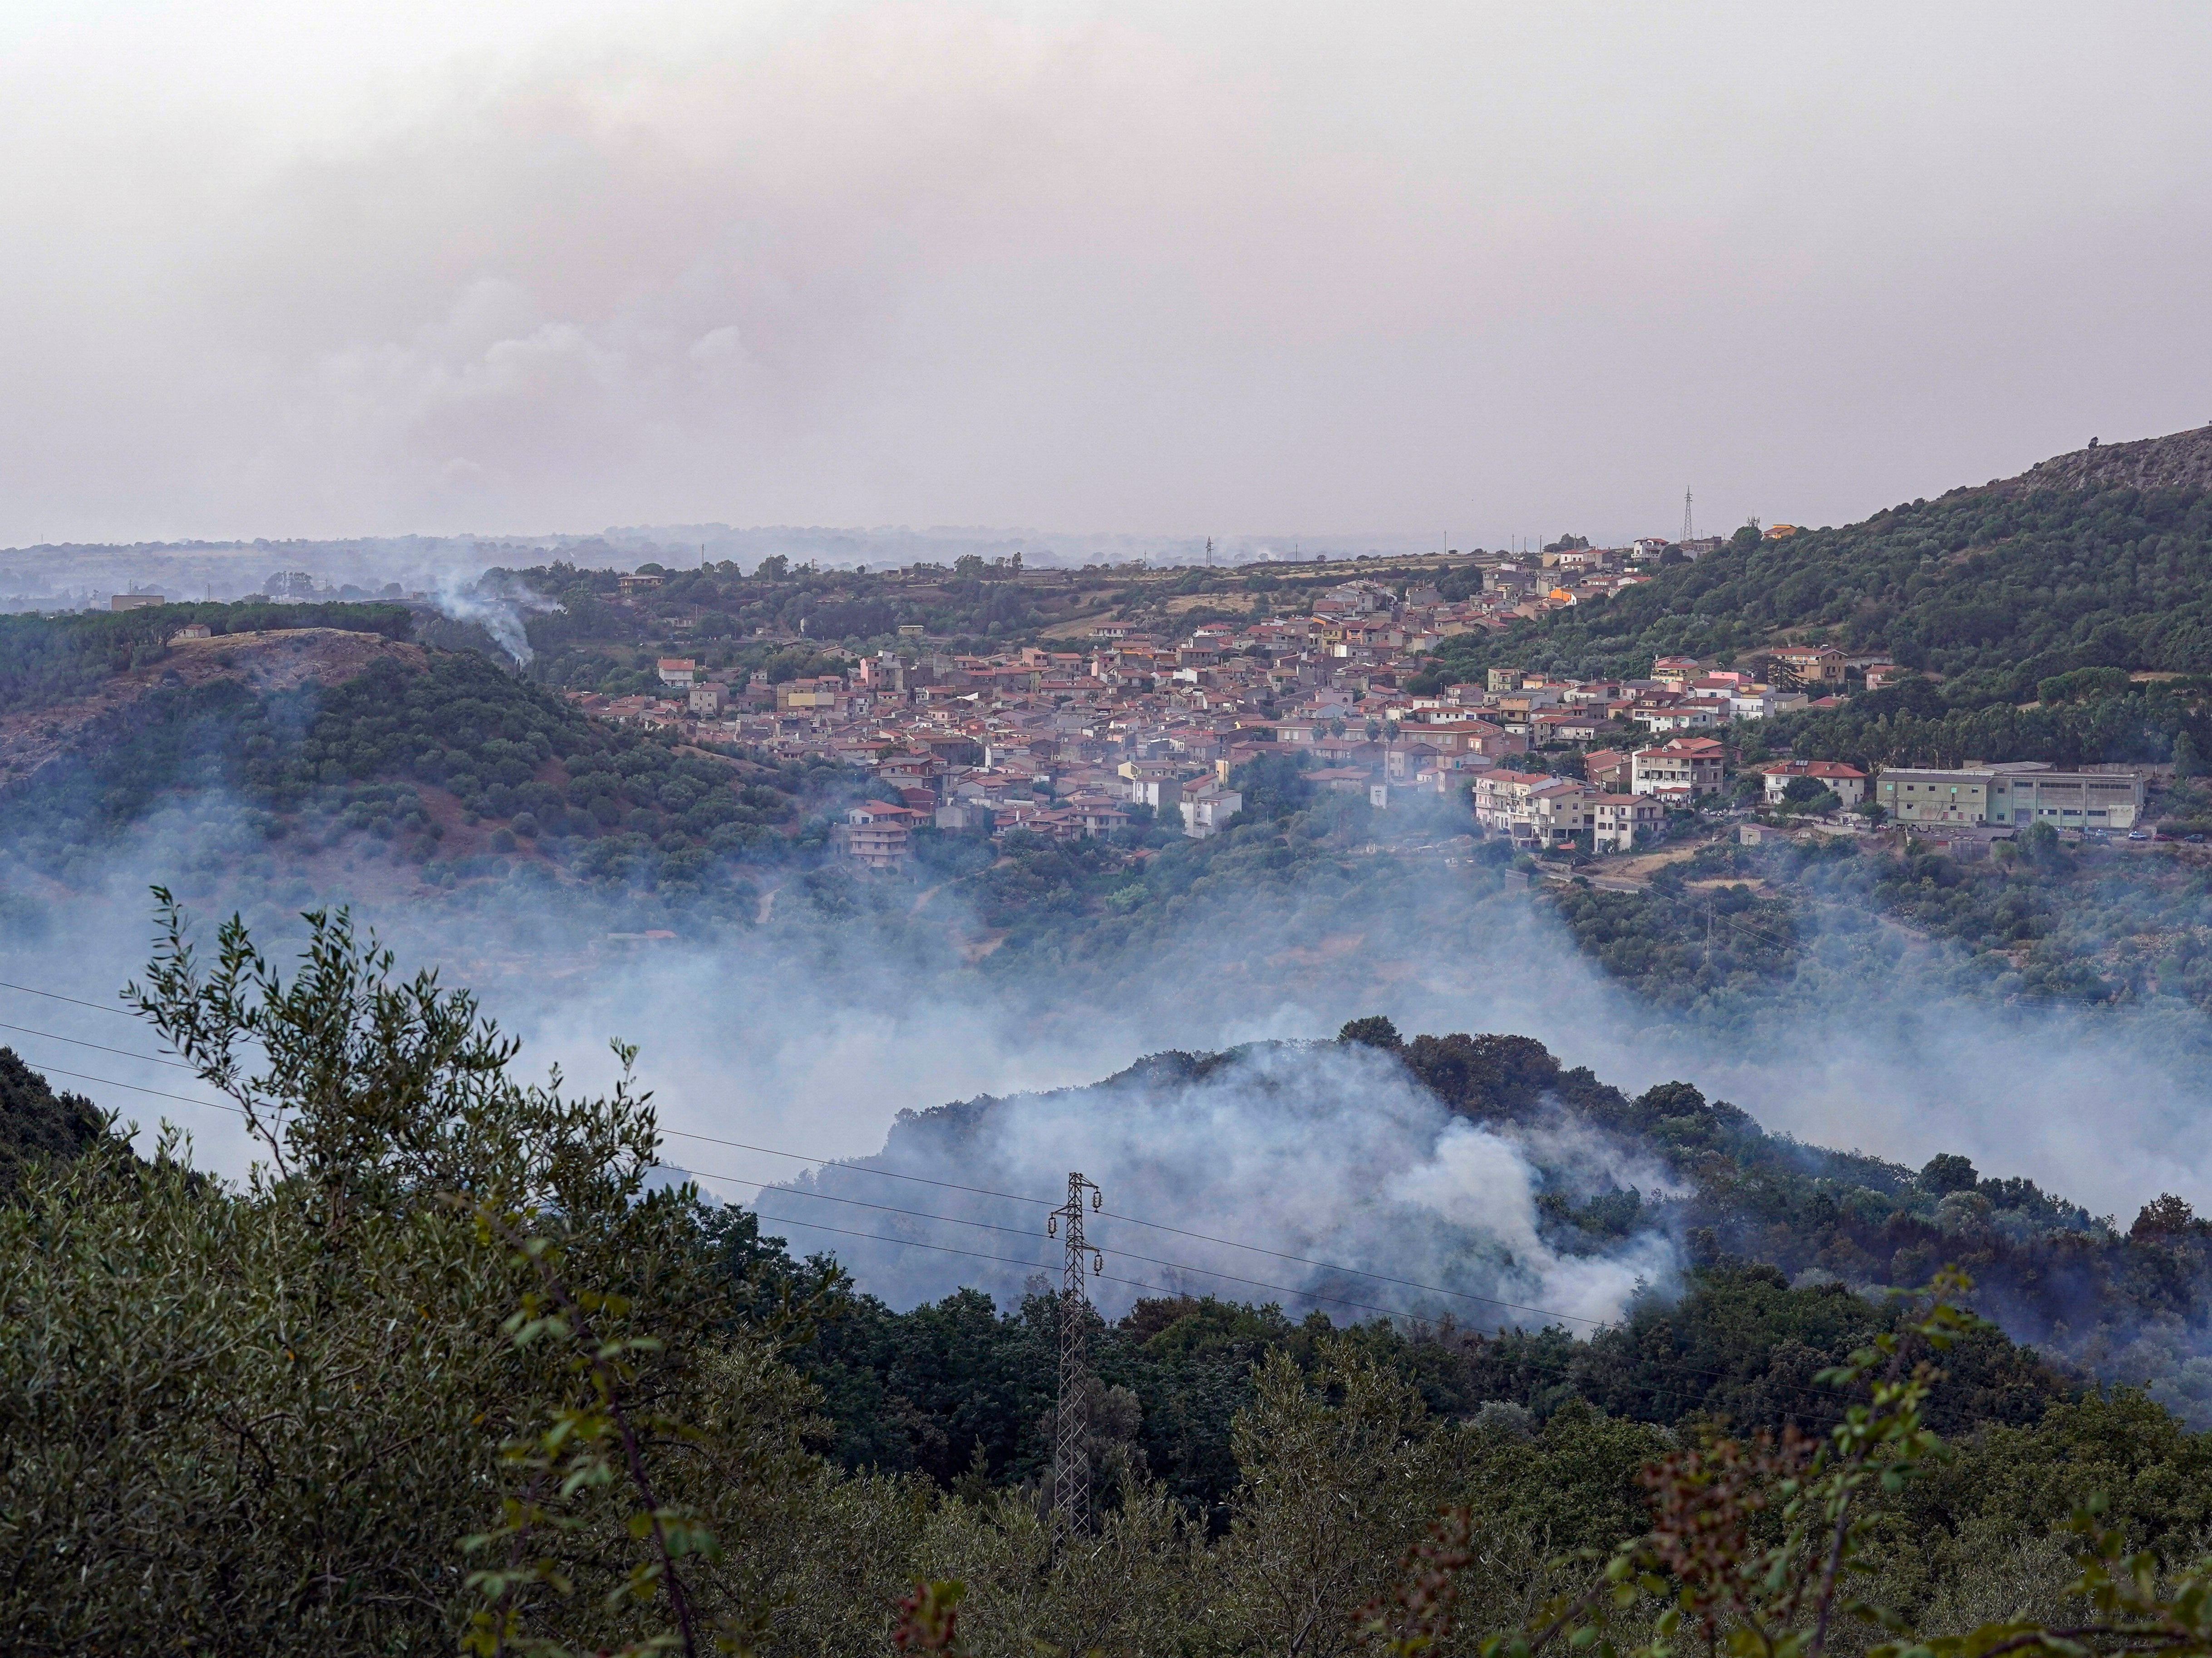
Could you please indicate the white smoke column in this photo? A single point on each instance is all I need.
(498, 611)
(1331, 1166)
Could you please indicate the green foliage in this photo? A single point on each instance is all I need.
(1912, 723)
(782, 622)
(1716, 948)
(452, 1367)
(49, 659)
(261, 1419)
(360, 764)
(38, 1128)
(1702, 1559)
(1716, 1568)
(2016, 588)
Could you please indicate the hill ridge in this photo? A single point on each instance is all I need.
(2179, 460)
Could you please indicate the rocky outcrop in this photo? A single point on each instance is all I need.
(2180, 461)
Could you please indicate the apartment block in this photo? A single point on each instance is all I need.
(1685, 766)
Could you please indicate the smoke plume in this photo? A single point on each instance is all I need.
(494, 601)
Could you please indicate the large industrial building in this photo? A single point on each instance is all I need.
(2017, 794)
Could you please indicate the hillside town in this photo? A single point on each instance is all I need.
(1126, 727)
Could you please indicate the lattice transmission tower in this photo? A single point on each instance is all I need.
(1070, 1450)
(1689, 528)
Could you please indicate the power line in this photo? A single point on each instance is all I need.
(1532, 1361)
(1303, 1261)
(124, 1053)
(52, 995)
(1185, 1266)
(763, 1185)
(110, 1082)
(912, 1243)
(1105, 1278)
(1151, 1261)
(823, 1197)
(856, 1168)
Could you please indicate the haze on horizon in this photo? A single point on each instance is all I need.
(1477, 268)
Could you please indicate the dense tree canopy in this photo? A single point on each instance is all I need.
(2004, 588)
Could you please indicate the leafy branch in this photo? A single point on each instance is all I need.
(579, 1450)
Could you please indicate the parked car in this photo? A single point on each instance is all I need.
(2137, 834)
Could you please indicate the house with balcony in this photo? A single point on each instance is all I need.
(1680, 769)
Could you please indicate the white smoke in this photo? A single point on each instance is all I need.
(1309, 1175)
(811, 1036)
(499, 607)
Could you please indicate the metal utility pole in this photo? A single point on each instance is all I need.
(1070, 1451)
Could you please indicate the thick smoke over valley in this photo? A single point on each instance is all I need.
(809, 1034)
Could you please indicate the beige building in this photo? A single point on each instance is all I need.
(1532, 808)
(798, 695)
(1808, 667)
(1620, 823)
(876, 834)
(1914, 794)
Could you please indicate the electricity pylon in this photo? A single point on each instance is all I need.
(1070, 1451)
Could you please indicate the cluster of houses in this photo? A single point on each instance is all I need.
(1621, 800)
(1126, 726)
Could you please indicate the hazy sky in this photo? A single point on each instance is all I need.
(343, 269)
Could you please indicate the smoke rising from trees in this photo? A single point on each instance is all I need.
(812, 1034)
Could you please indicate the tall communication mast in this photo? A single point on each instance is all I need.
(1070, 1451)
(1689, 529)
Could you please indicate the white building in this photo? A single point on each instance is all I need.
(1847, 783)
(1764, 702)
(1207, 808)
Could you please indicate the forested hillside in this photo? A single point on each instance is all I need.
(457, 1370)
(39, 1127)
(1999, 588)
(2036, 922)
(46, 659)
(436, 768)
(2132, 1304)
(593, 639)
